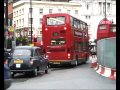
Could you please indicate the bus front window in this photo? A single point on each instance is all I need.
(56, 20)
(58, 41)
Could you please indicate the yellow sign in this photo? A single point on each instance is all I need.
(31, 44)
(11, 29)
(18, 61)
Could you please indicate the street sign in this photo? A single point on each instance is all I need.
(11, 29)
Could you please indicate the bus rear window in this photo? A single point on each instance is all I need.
(58, 41)
(102, 27)
(56, 20)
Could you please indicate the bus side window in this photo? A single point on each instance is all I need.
(78, 25)
(71, 20)
(81, 26)
(75, 24)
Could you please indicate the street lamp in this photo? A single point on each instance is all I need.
(105, 9)
(6, 22)
(30, 11)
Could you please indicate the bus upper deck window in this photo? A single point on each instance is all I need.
(102, 27)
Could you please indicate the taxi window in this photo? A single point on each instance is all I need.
(21, 52)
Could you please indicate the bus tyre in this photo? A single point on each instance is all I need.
(85, 61)
(76, 63)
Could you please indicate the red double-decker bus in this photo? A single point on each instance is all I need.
(65, 39)
(106, 49)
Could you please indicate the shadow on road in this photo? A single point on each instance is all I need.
(64, 67)
(21, 77)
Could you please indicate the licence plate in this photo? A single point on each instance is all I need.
(18, 61)
(56, 62)
(18, 65)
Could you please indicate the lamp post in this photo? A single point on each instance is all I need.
(6, 22)
(105, 9)
(30, 10)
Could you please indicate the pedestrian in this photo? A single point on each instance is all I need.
(7, 56)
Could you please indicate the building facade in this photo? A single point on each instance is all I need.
(90, 11)
(22, 17)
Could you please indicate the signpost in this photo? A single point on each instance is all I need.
(14, 42)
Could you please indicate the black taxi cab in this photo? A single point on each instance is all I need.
(28, 59)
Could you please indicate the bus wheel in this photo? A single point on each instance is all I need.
(76, 62)
(85, 61)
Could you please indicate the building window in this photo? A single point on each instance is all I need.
(68, 11)
(100, 8)
(59, 10)
(103, 7)
(87, 17)
(40, 32)
(50, 10)
(23, 21)
(14, 22)
(41, 11)
(20, 22)
(108, 7)
(17, 23)
(29, 32)
(17, 13)
(76, 11)
(23, 11)
(87, 6)
(40, 20)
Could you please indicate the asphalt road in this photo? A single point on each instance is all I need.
(80, 77)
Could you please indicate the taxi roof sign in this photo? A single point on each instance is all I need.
(31, 44)
(11, 29)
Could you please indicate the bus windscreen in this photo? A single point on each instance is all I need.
(56, 20)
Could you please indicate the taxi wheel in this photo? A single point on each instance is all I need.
(46, 71)
(35, 73)
(12, 75)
